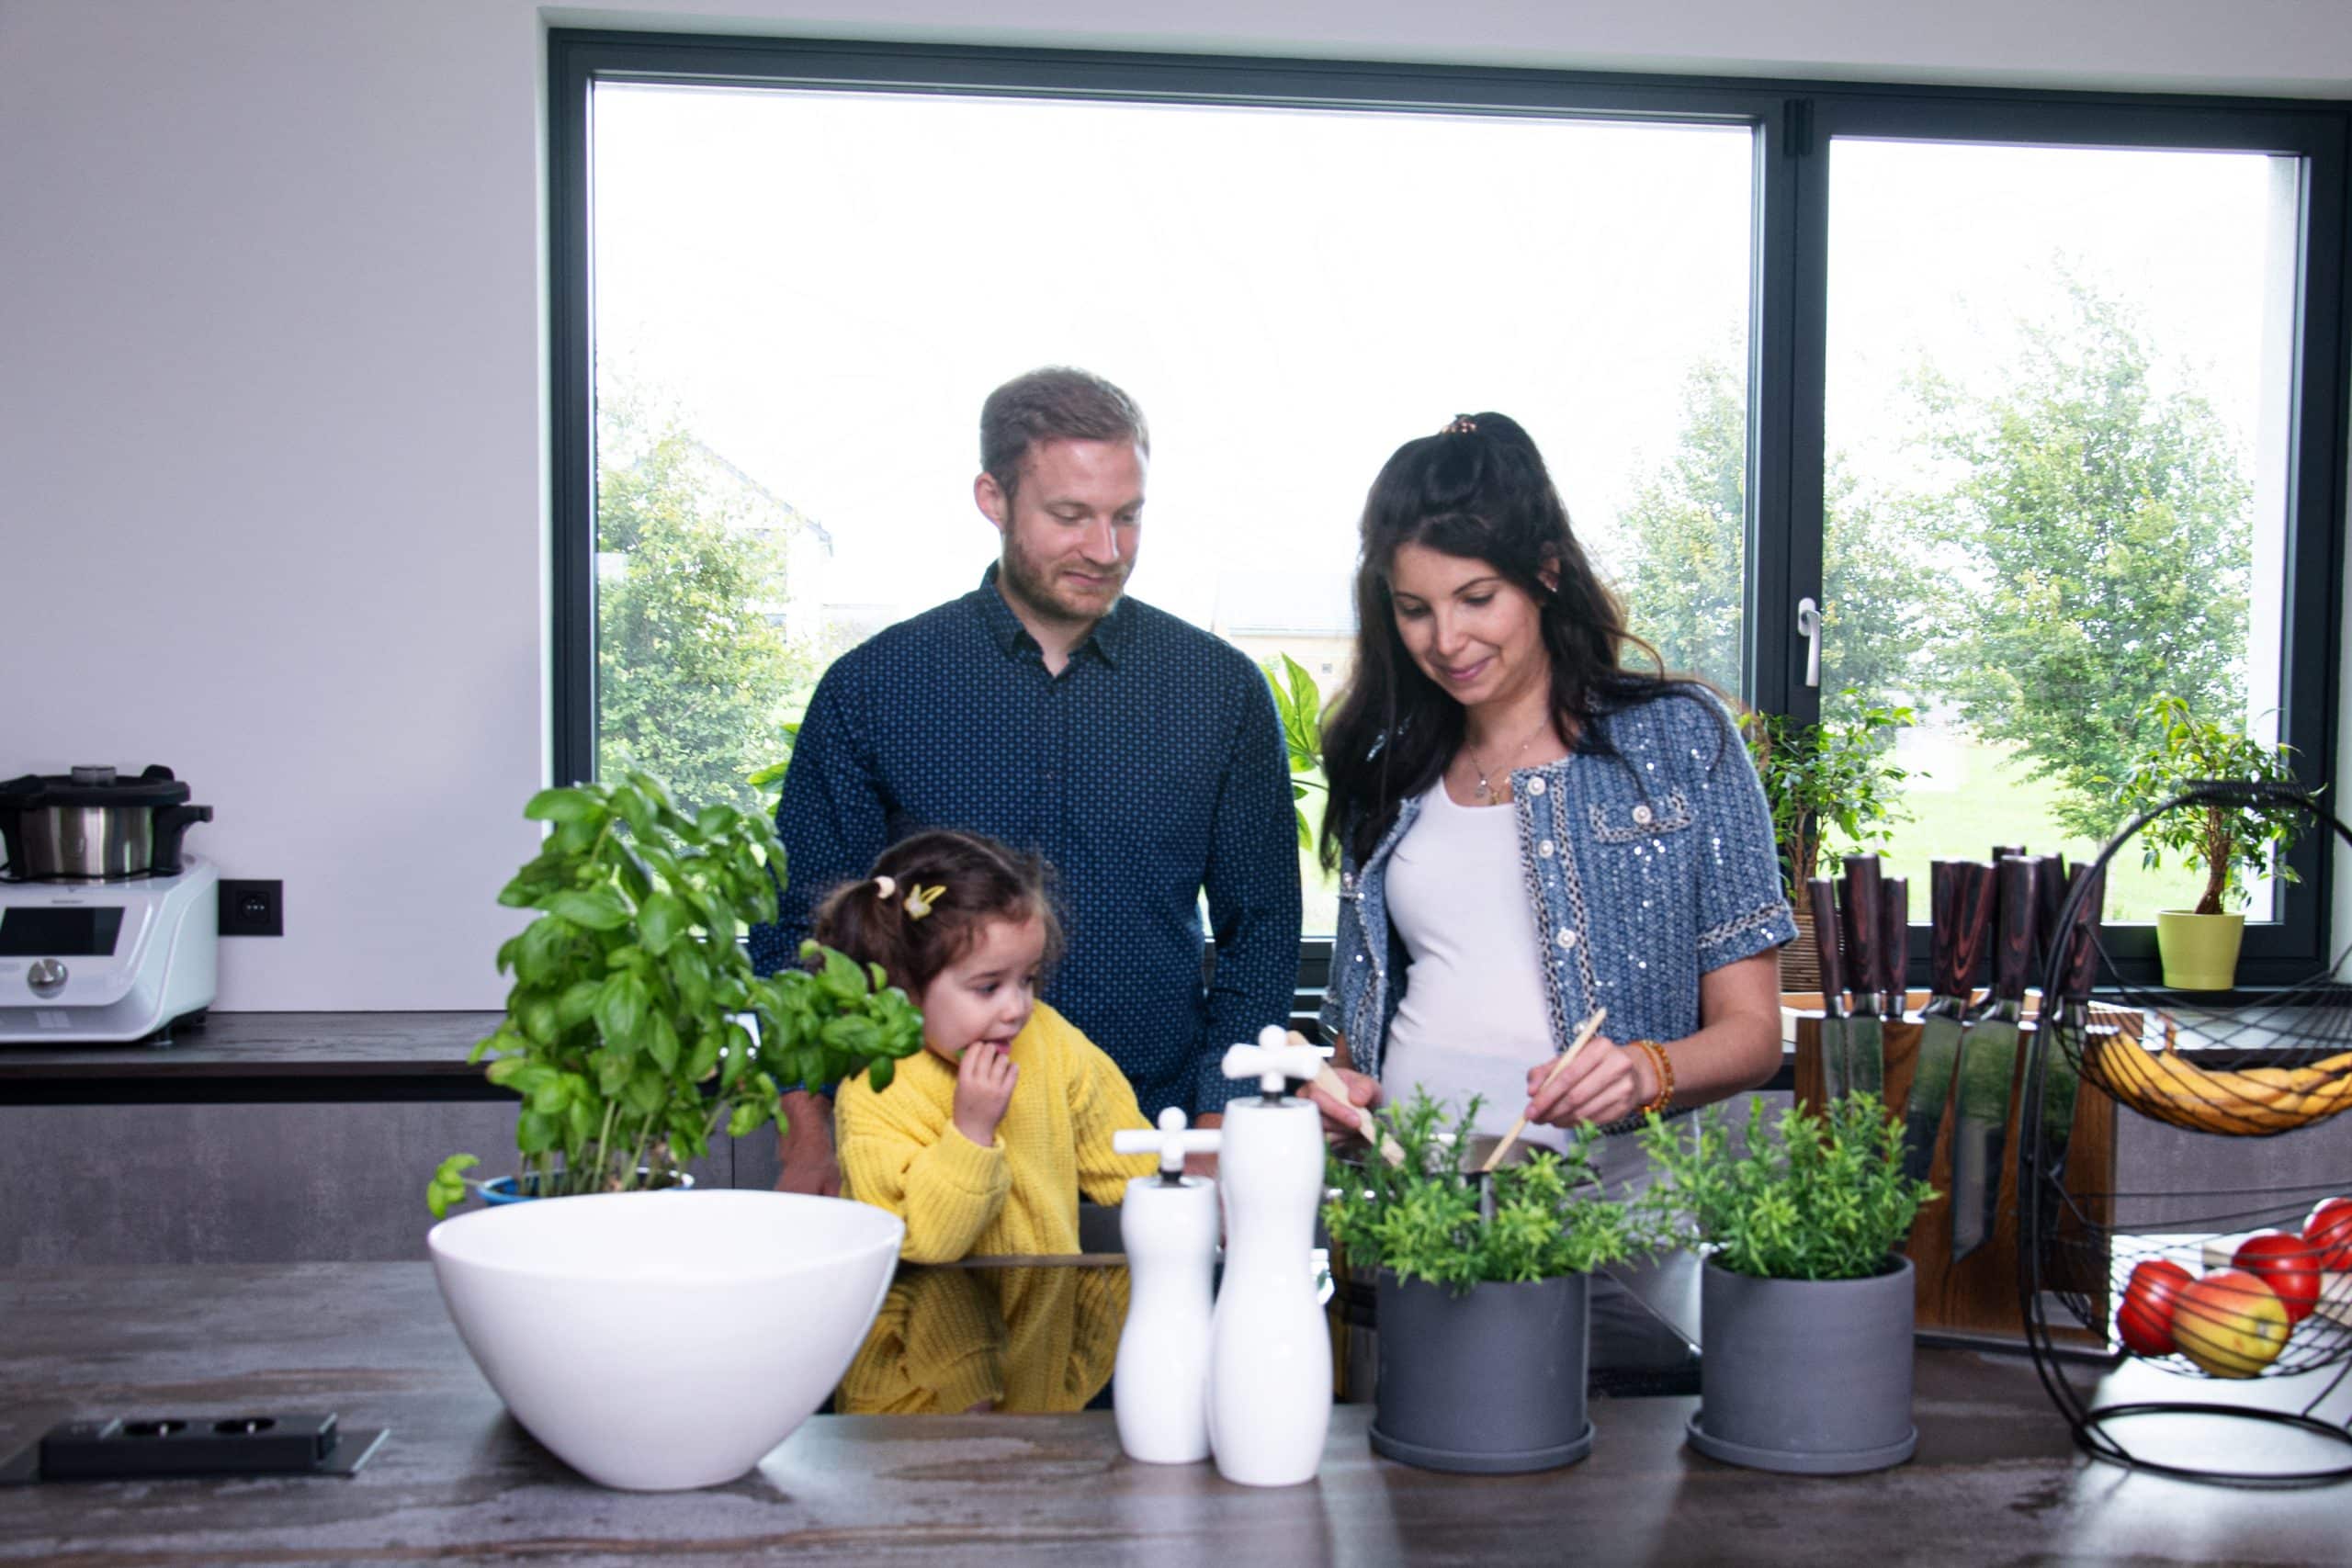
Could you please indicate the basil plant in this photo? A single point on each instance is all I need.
(625, 1031)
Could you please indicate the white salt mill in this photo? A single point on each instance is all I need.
(1168, 1223)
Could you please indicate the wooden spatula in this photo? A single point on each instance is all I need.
(1585, 1032)
(1330, 1083)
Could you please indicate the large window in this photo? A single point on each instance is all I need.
(1779, 342)
(2054, 474)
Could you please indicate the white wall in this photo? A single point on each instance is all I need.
(270, 415)
(272, 380)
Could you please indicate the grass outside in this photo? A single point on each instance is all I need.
(1978, 795)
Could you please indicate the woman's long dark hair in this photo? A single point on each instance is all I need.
(1478, 490)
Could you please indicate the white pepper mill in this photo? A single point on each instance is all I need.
(1270, 1352)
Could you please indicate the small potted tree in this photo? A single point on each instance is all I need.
(2199, 946)
(1805, 1302)
(1482, 1294)
(1837, 776)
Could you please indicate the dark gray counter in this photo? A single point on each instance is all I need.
(1994, 1478)
(264, 1058)
(264, 1137)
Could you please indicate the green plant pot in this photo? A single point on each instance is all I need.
(2200, 952)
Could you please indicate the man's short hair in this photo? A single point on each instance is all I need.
(1056, 404)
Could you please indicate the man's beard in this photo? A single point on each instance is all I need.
(1025, 580)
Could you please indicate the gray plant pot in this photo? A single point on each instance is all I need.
(1808, 1376)
(1490, 1382)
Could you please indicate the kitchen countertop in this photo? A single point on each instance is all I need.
(1995, 1478)
(264, 1056)
(308, 1057)
(325, 1057)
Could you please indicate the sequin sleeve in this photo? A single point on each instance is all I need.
(1741, 909)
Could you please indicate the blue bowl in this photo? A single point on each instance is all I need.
(504, 1189)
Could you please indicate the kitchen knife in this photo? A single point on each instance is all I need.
(1864, 910)
(2061, 1068)
(1892, 953)
(1960, 915)
(1988, 1056)
(2000, 853)
(1833, 989)
(2050, 889)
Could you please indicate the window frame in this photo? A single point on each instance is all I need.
(1793, 123)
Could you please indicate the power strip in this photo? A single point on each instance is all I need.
(144, 1447)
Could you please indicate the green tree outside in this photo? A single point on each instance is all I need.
(2105, 526)
(695, 681)
(1686, 530)
(2089, 546)
(1684, 586)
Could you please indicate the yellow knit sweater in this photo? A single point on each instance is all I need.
(900, 1149)
(956, 1339)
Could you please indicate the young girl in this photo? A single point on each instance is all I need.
(984, 1140)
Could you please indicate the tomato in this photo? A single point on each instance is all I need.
(2144, 1321)
(2329, 1233)
(2288, 1265)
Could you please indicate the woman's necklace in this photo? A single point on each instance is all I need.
(1486, 791)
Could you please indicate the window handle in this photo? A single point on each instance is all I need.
(1809, 628)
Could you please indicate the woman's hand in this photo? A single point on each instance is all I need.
(1339, 1119)
(984, 1078)
(1606, 1083)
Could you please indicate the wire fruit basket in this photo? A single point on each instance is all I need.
(2180, 1278)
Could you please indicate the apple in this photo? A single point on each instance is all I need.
(2145, 1320)
(2329, 1233)
(2230, 1322)
(2288, 1265)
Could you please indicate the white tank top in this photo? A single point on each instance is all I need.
(1473, 1017)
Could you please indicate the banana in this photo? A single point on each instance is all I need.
(2257, 1100)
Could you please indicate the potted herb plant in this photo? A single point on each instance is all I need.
(1483, 1293)
(1838, 777)
(1805, 1300)
(624, 1036)
(623, 1032)
(2199, 946)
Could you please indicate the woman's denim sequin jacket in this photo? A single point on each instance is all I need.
(1643, 871)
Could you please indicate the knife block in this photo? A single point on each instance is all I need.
(1976, 1300)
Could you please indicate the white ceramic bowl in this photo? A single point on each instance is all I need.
(662, 1340)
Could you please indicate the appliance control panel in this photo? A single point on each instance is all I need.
(109, 961)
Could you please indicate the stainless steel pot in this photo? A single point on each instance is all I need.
(94, 826)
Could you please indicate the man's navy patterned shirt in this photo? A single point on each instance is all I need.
(1151, 770)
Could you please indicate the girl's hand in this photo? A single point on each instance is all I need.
(1606, 1083)
(984, 1078)
(1340, 1120)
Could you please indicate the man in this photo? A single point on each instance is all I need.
(1140, 756)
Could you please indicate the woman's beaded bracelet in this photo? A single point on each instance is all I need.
(1664, 1064)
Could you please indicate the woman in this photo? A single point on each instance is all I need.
(1529, 830)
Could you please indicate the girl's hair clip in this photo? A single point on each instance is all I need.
(920, 899)
(1460, 424)
(883, 889)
